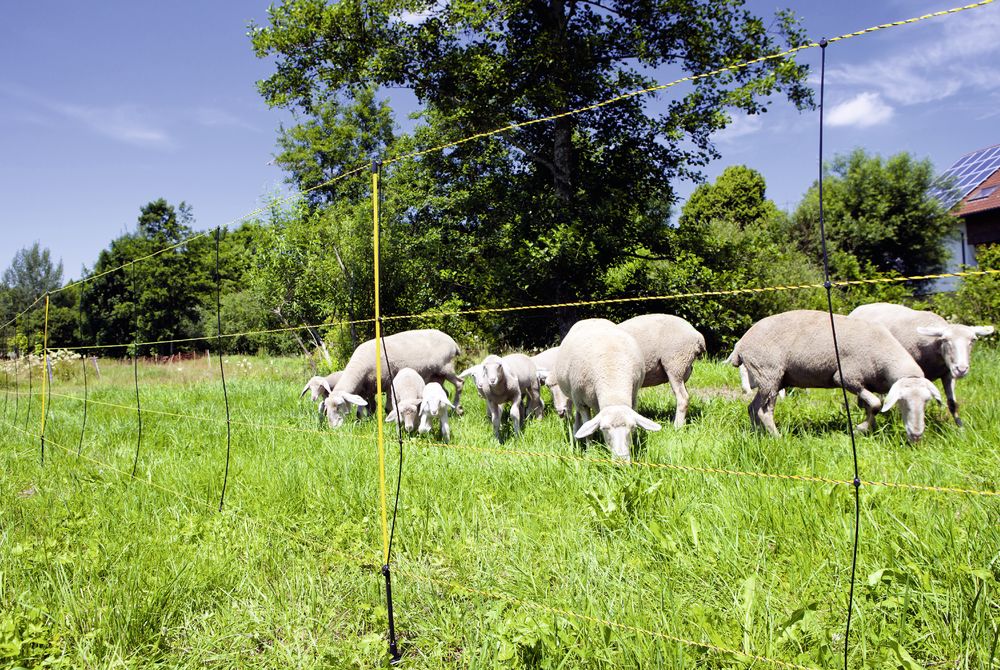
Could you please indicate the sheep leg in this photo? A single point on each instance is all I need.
(681, 393)
(495, 412)
(949, 390)
(443, 419)
(870, 403)
(457, 382)
(762, 410)
(515, 416)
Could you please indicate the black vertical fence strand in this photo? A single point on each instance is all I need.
(135, 370)
(83, 360)
(222, 368)
(836, 349)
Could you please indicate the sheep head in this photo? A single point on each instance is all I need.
(339, 404)
(616, 423)
(955, 342)
(911, 394)
(408, 410)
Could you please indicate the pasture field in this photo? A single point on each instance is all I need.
(543, 558)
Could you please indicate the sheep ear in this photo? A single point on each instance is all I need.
(934, 392)
(982, 331)
(891, 398)
(355, 400)
(589, 427)
(474, 370)
(543, 376)
(931, 331)
(643, 422)
(391, 417)
(325, 384)
(304, 391)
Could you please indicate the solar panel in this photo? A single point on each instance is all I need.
(968, 172)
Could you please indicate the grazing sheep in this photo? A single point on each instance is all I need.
(795, 349)
(407, 389)
(510, 379)
(546, 364)
(669, 346)
(319, 388)
(435, 403)
(429, 352)
(600, 367)
(941, 349)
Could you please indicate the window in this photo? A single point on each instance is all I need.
(984, 192)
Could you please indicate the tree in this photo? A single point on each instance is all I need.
(879, 217)
(553, 206)
(31, 274)
(164, 290)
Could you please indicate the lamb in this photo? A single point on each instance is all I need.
(431, 353)
(546, 363)
(795, 349)
(600, 367)
(669, 346)
(407, 389)
(507, 380)
(319, 388)
(942, 349)
(435, 403)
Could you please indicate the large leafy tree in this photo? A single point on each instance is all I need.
(879, 217)
(543, 212)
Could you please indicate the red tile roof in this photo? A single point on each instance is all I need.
(971, 204)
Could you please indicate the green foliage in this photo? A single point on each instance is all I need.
(977, 300)
(878, 211)
(541, 214)
(31, 274)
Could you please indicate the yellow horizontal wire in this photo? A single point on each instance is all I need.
(578, 303)
(707, 470)
(694, 77)
(497, 595)
(698, 294)
(175, 415)
(555, 455)
(24, 311)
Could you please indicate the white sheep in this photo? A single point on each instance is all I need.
(600, 367)
(795, 349)
(669, 346)
(510, 379)
(429, 352)
(748, 385)
(942, 350)
(406, 392)
(546, 364)
(435, 403)
(319, 388)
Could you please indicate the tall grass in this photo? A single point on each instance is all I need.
(500, 559)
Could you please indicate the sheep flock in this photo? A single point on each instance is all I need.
(595, 373)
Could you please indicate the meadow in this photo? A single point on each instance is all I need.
(531, 554)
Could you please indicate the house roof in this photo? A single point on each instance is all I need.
(985, 196)
(966, 175)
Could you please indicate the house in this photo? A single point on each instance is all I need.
(972, 192)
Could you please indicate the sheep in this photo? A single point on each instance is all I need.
(406, 391)
(431, 353)
(546, 363)
(941, 349)
(795, 349)
(507, 380)
(319, 388)
(434, 402)
(600, 367)
(669, 346)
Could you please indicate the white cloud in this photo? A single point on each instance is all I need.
(739, 126)
(124, 123)
(944, 57)
(862, 111)
(213, 117)
(416, 18)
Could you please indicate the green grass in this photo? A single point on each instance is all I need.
(98, 570)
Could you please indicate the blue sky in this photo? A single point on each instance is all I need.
(106, 106)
